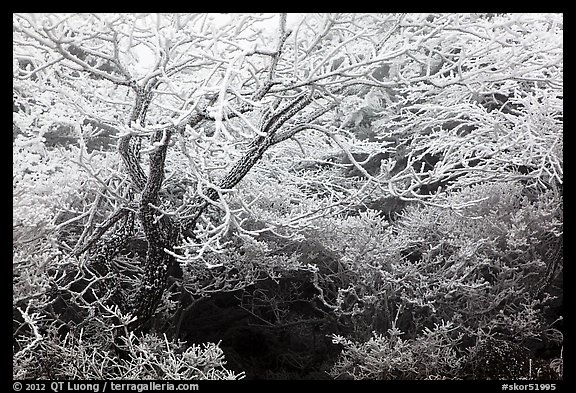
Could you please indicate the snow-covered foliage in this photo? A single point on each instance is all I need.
(394, 181)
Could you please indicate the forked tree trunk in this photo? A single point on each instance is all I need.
(165, 233)
(162, 234)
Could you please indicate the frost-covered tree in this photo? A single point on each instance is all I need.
(217, 116)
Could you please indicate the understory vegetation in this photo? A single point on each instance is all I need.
(433, 293)
(412, 230)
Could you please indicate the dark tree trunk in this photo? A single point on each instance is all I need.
(163, 233)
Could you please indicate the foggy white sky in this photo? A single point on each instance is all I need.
(146, 57)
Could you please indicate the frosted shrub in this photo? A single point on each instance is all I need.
(429, 356)
(471, 261)
(352, 287)
(78, 356)
(486, 269)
